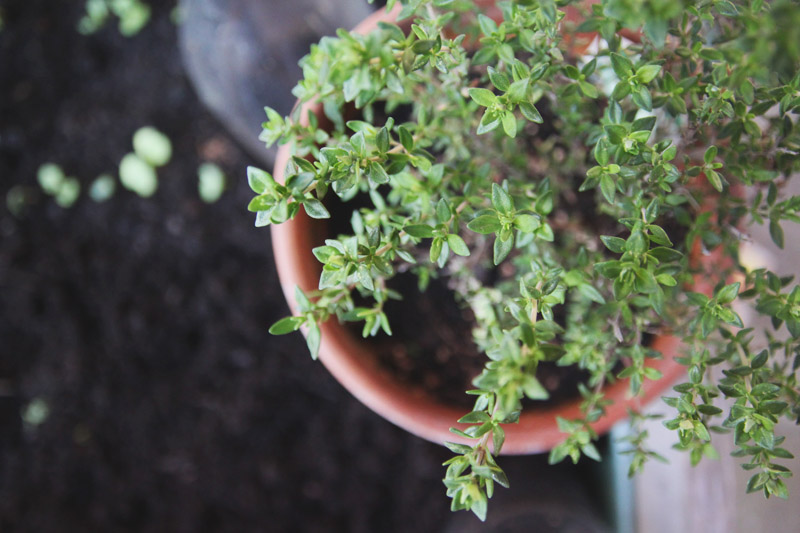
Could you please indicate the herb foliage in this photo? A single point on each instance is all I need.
(683, 138)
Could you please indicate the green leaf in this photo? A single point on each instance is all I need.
(501, 200)
(263, 218)
(608, 269)
(652, 374)
(726, 8)
(299, 182)
(457, 244)
(420, 231)
(588, 89)
(615, 244)
(210, 182)
(382, 140)
(442, 211)
(701, 431)
(324, 253)
(406, 139)
(50, 176)
(479, 507)
(643, 124)
(747, 91)
(545, 232)
(647, 73)
(544, 203)
(639, 136)
(286, 325)
(315, 209)
(313, 340)
(643, 98)
(483, 97)
(776, 232)
(485, 224)
(709, 410)
(423, 46)
(590, 451)
(280, 213)
(303, 303)
(714, 179)
(133, 18)
(436, 249)
(152, 146)
(608, 187)
(572, 72)
(68, 192)
(666, 280)
(510, 124)
(261, 203)
(710, 155)
(377, 173)
(137, 176)
(656, 30)
(760, 359)
(533, 389)
(645, 281)
(359, 144)
(658, 235)
(616, 133)
(498, 79)
(405, 256)
(666, 255)
(623, 67)
(498, 437)
(364, 278)
(489, 122)
(502, 248)
(728, 293)
(621, 90)
(457, 448)
(525, 223)
(601, 152)
(530, 112)
(636, 243)
(102, 188)
(488, 26)
(558, 454)
(474, 417)
(592, 293)
(712, 54)
(772, 194)
(651, 211)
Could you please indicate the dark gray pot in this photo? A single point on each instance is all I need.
(242, 55)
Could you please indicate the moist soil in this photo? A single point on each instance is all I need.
(431, 347)
(139, 388)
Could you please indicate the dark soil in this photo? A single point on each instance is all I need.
(142, 324)
(431, 346)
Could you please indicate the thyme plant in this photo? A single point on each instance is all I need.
(593, 181)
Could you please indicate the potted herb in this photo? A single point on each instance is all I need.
(587, 205)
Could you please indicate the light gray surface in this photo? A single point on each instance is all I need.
(711, 497)
(242, 55)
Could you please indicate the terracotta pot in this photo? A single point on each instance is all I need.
(350, 361)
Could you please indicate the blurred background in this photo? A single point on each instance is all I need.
(139, 388)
